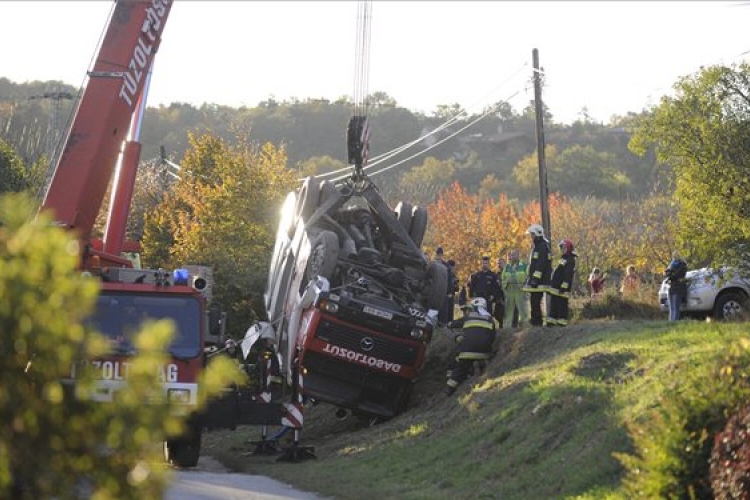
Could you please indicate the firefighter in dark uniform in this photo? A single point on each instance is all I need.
(475, 342)
(540, 270)
(561, 284)
(485, 283)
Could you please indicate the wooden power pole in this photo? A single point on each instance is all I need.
(539, 111)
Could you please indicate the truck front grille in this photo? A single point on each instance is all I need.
(383, 347)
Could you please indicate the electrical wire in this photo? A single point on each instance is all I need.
(453, 119)
(488, 112)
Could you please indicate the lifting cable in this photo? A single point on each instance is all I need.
(358, 131)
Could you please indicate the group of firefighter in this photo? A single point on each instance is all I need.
(493, 299)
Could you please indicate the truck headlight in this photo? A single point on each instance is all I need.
(328, 306)
(417, 334)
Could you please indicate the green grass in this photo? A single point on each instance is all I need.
(545, 421)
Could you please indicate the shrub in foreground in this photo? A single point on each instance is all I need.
(55, 442)
(674, 442)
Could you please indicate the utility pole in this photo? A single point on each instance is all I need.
(539, 111)
(53, 125)
(53, 131)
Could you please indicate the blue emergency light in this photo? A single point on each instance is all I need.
(181, 276)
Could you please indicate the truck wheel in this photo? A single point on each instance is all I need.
(403, 214)
(418, 225)
(185, 450)
(308, 198)
(435, 287)
(731, 306)
(324, 254)
(327, 190)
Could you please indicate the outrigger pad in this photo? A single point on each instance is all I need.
(297, 454)
(266, 447)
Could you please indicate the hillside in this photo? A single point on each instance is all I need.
(311, 133)
(542, 422)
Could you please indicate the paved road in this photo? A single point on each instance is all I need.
(211, 482)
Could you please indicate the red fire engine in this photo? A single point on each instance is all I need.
(102, 141)
(104, 135)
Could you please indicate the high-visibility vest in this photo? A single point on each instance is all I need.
(515, 274)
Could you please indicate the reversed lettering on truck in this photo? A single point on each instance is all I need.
(362, 359)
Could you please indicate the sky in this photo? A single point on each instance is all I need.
(608, 57)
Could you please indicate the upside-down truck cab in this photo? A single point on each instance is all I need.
(352, 297)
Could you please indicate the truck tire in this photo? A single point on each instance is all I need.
(327, 190)
(324, 254)
(418, 225)
(404, 214)
(435, 287)
(308, 198)
(731, 306)
(185, 450)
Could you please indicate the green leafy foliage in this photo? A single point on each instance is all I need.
(702, 133)
(56, 442)
(12, 171)
(674, 441)
(576, 171)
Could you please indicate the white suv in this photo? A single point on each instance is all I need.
(722, 294)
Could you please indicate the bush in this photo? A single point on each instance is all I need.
(612, 306)
(55, 442)
(674, 442)
(730, 458)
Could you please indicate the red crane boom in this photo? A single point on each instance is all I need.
(105, 114)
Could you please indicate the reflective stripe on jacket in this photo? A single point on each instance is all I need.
(562, 277)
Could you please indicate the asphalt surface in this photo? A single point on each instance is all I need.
(210, 481)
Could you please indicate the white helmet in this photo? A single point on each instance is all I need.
(478, 303)
(536, 230)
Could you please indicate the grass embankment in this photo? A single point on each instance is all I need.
(544, 421)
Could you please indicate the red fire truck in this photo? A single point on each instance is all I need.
(102, 147)
(101, 141)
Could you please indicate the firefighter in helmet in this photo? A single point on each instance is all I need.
(475, 341)
(540, 269)
(561, 284)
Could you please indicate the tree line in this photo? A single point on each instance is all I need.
(689, 150)
(312, 133)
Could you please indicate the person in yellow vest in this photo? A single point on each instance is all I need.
(514, 276)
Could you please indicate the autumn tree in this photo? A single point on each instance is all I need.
(223, 213)
(456, 225)
(606, 234)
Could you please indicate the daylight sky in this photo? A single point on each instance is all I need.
(609, 57)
